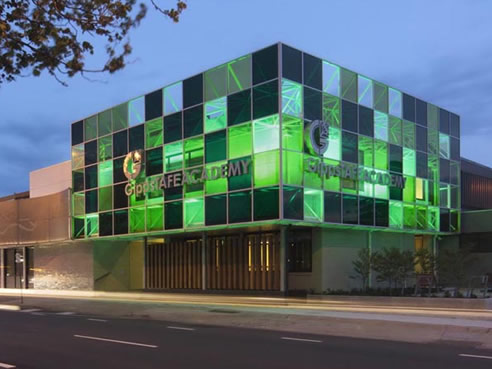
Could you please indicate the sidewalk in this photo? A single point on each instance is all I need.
(354, 317)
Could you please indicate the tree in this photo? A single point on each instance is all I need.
(57, 35)
(362, 266)
(393, 266)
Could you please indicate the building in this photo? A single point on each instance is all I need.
(266, 173)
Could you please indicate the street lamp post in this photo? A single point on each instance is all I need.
(19, 259)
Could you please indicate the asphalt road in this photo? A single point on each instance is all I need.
(39, 340)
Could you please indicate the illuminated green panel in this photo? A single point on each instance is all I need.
(156, 196)
(380, 155)
(90, 126)
(380, 126)
(194, 212)
(349, 85)
(444, 196)
(421, 217)
(331, 110)
(153, 133)
(105, 148)
(292, 133)
(239, 74)
(408, 134)
(292, 168)
(331, 78)
(409, 162)
(120, 117)
(432, 117)
(334, 144)
(266, 168)
(366, 188)
(409, 217)
(136, 111)
(192, 190)
(240, 141)
(433, 218)
(313, 205)
(365, 91)
(366, 151)
(395, 131)
(137, 220)
(409, 190)
(92, 225)
(173, 156)
(218, 185)
(78, 203)
(349, 186)
(395, 214)
(173, 98)
(140, 198)
(106, 198)
(433, 141)
(155, 218)
(78, 156)
(395, 102)
(105, 173)
(332, 183)
(215, 81)
(433, 168)
(421, 190)
(104, 123)
(311, 179)
(216, 115)
(381, 191)
(266, 134)
(291, 98)
(443, 145)
(380, 97)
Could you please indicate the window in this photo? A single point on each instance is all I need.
(265, 64)
(291, 64)
(153, 105)
(193, 91)
(312, 71)
(300, 252)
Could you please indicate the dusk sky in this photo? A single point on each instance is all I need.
(439, 51)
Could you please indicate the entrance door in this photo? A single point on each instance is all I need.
(13, 267)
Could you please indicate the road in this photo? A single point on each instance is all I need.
(35, 339)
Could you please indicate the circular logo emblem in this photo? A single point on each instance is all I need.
(132, 164)
(317, 136)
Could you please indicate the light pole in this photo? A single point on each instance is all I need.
(19, 259)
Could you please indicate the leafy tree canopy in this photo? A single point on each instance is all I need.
(56, 35)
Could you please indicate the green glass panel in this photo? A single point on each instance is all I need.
(409, 162)
(137, 220)
(421, 190)
(173, 156)
(380, 126)
(331, 183)
(444, 196)
(218, 185)
(153, 133)
(216, 115)
(78, 156)
(266, 168)
(78, 203)
(380, 97)
(173, 215)
(266, 134)
(395, 103)
(365, 91)
(193, 152)
(421, 217)
(366, 188)
(366, 151)
(157, 195)
(291, 98)
(313, 205)
(173, 98)
(433, 168)
(292, 133)
(395, 131)
(240, 141)
(331, 110)
(215, 146)
(120, 117)
(334, 144)
(105, 149)
(409, 190)
(311, 179)
(194, 212)
(409, 216)
(349, 186)
(192, 190)
(106, 198)
(293, 202)
(242, 181)
(239, 74)
(443, 145)
(432, 117)
(266, 203)
(155, 218)
(292, 167)
(433, 218)
(380, 155)
(136, 111)
(78, 227)
(106, 173)
(381, 191)
(216, 209)
(331, 78)
(396, 214)
(349, 85)
(104, 123)
(215, 83)
(90, 125)
(140, 198)
(409, 134)
(92, 225)
(433, 141)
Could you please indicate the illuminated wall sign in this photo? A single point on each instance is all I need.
(354, 172)
(192, 176)
(317, 133)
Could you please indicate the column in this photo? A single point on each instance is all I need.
(204, 261)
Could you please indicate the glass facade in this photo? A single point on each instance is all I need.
(232, 145)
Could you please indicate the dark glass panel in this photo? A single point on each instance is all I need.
(454, 125)
(173, 129)
(105, 224)
(90, 152)
(444, 170)
(453, 221)
(193, 91)
(349, 116)
(240, 207)
(455, 148)
(422, 165)
(121, 222)
(77, 132)
(409, 107)
(291, 64)
(215, 209)
(239, 107)
(153, 105)
(333, 207)
(120, 199)
(421, 112)
(242, 181)
(313, 72)
(265, 99)
(443, 121)
(173, 193)
(454, 197)
(293, 203)
(382, 213)
(350, 209)
(153, 164)
(396, 193)
(366, 206)
(349, 147)
(78, 181)
(91, 201)
(78, 227)
(444, 220)
(193, 121)
(120, 143)
(91, 177)
(366, 121)
(215, 146)
(118, 174)
(173, 215)
(312, 104)
(396, 158)
(421, 139)
(136, 138)
(265, 64)
(266, 203)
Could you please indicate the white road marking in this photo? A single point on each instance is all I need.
(300, 339)
(96, 320)
(65, 313)
(36, 313)
(476, 356)
(30, 310)
(3, 365)
(115, 341)
(181, 328)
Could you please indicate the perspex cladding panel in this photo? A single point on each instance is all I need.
(212, 148)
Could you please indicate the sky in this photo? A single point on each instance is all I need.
(439, 51)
